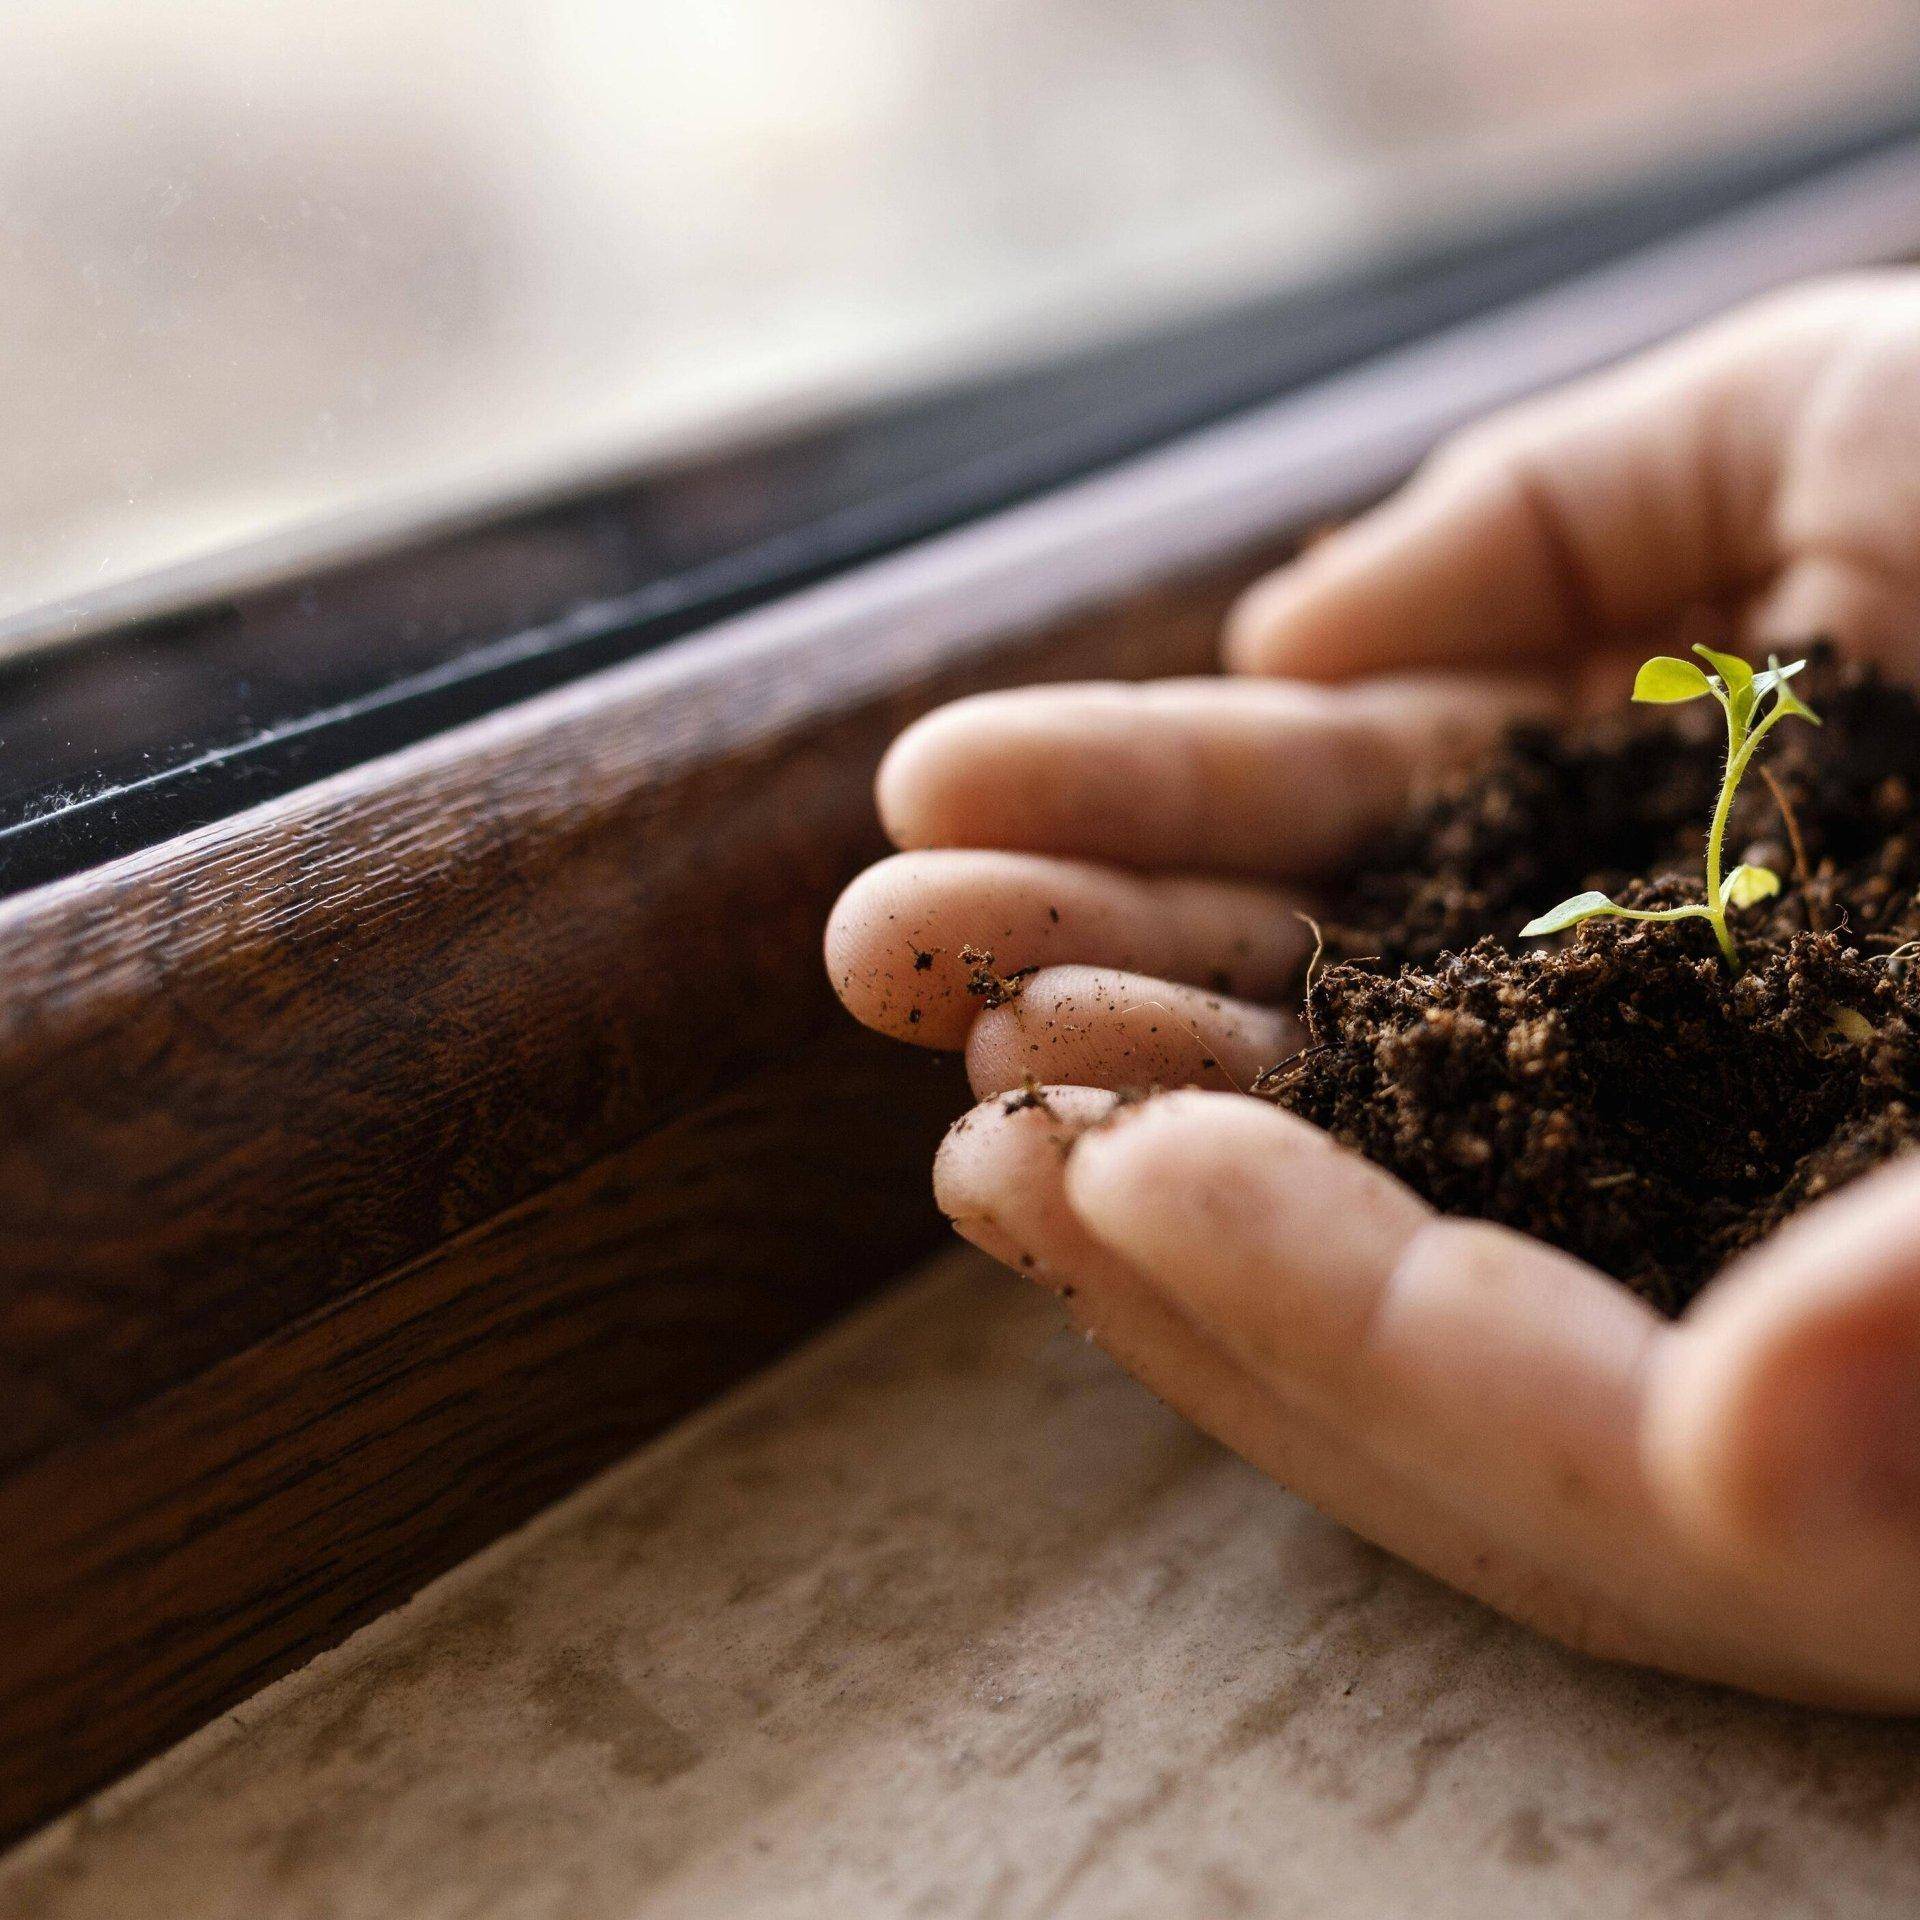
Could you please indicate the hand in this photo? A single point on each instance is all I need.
(1734, 1496)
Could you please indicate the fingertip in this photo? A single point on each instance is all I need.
(871, 964)
(909, 779)
(1003, 1050)
(997, 1178)
(1293, 624)
(1243, 637)
(988, 1154)
(953, 778)
(1106, 1027)
(1434, 576)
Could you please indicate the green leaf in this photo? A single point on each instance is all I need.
(1729, 666)
(1736, 676)
(1748, 886)
(1583, 906)
(1775, 679)
(1663, 680)
(1775, 674)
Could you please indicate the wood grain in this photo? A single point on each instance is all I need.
(383, 1161)
(224, 1531)
(270, 1061)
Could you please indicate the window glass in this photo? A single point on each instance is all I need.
(264, 266)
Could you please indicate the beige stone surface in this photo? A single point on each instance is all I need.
(946, 1617)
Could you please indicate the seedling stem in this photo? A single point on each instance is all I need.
(1742, 694)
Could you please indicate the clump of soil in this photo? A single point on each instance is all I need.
(1619, 1092)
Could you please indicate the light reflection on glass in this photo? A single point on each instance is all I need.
(260, 265)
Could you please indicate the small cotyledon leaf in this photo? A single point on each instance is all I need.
(1776, 678)
(1737, 677)
(1663, 680)
(1569, 913)
(1747, 886)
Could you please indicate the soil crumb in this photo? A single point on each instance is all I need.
(1619, 1092)
(989, 988)
(1031, 1096)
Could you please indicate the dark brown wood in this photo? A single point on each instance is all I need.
(224, 1531)
(381, 1162)
(255, 1069)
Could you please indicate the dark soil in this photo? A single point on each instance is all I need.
(1618, 1091)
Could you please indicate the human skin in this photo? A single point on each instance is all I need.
(1735, 1495)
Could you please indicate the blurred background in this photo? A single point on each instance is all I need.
(265, 264)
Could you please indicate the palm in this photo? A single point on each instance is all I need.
(1736, 1496)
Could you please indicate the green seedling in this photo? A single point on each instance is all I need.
(1753, 703)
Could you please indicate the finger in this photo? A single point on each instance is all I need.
(1501, 1379)
(1000, 1177)
(1482, 1422)
(1874, 609)
(1094, 1027)
(896, 939)
(1785, 1423)
(1604, 508)
(1270, 778)
(1325, 1269)
(997, 1178)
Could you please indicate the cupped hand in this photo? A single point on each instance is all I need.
(1734, 1496)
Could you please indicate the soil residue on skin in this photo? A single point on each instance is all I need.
(1618, 1091)
(991, 989)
